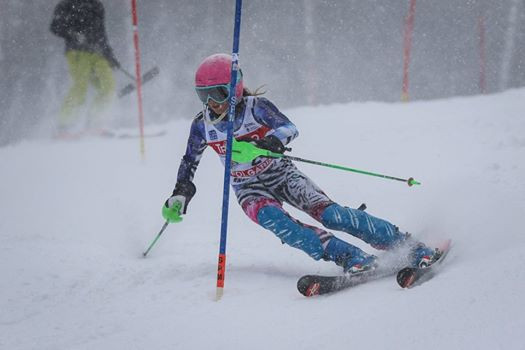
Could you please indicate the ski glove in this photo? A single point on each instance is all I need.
(178, 202)
(172, 213)
(270, 143)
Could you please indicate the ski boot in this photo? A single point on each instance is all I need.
(422, 256)
(352, 259)
(357, 265)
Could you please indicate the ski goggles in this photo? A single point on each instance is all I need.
(217, 93)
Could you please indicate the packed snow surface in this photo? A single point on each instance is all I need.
(77, 215)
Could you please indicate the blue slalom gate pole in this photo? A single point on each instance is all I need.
(221, 269)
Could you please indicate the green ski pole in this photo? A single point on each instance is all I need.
(410, 181)
(172, 215)
(244, 152)
(156, 238)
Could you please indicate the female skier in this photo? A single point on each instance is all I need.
(262, 186)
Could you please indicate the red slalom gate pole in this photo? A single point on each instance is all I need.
(409, 28)
(138, 73)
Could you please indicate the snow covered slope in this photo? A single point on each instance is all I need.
(76, 217)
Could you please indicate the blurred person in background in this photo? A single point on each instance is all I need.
(90, 60)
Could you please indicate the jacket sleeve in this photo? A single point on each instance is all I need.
(194, 150)
(268, 114)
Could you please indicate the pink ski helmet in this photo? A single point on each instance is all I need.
(212, 79)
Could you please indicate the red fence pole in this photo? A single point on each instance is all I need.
(409, 28)
(138, 73)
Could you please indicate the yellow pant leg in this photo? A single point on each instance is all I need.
(104, 83)
(79, 70)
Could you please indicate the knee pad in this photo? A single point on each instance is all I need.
(290, 231)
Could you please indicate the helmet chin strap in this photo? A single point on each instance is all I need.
(216, 121)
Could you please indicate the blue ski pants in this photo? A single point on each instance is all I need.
(263, 196)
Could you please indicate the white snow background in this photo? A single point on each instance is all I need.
(76, 217)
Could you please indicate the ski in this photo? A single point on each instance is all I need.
(152, 73)
(311, 285)
(409, 277)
